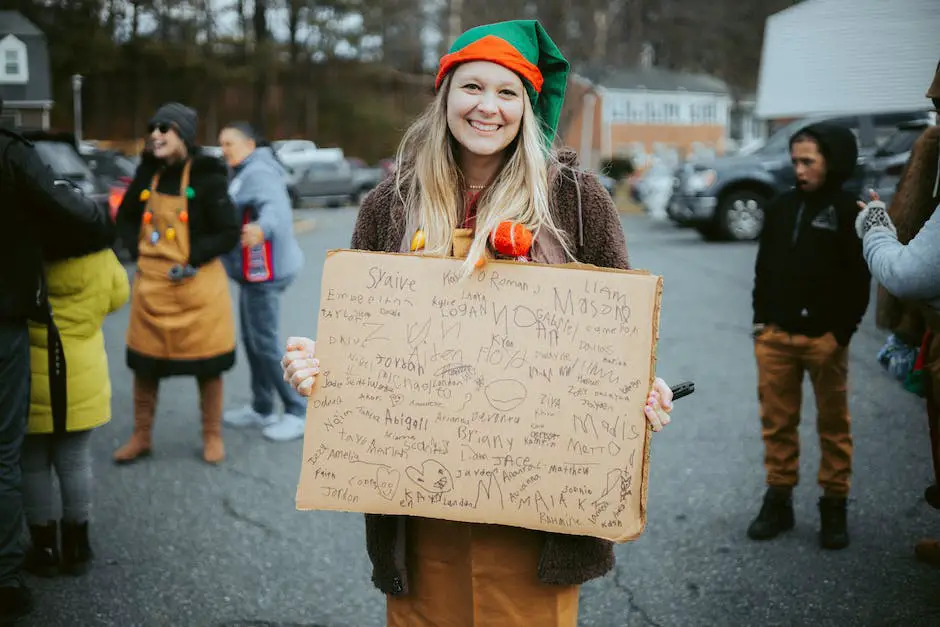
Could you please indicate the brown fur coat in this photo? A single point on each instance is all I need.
(586, 213)
(913, 204)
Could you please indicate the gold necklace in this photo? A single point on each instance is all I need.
(477, 187)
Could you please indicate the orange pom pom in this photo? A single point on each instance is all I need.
(511, 239)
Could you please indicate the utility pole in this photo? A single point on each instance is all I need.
(77, 105)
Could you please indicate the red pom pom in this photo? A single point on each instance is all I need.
(511, 239)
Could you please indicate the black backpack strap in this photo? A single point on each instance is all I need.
(58, 377)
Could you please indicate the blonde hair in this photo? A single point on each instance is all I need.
(429, 182)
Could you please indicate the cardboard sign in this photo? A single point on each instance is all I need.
(513, 397)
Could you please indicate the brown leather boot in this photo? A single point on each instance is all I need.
(928, 552)
(210, 400)
(145, 406)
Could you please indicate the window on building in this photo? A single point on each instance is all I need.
(13, 61)
(673, 114)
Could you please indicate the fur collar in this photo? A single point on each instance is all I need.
(203, 164)
(916, 197)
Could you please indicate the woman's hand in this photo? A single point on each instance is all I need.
(658, 405)
(299, 364)
(873, 215)
(252, 235)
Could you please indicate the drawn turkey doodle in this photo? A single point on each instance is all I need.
(432, 476)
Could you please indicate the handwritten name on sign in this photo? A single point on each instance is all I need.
(512, 397)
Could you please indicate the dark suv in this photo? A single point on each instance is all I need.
(883, 171)
(725, 198)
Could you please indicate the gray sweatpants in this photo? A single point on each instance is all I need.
(70, 456)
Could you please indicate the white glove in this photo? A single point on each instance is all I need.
(299, 364)
(873, 216)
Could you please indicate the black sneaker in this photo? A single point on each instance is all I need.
(775, 517)
(833, 529)
(15, 603)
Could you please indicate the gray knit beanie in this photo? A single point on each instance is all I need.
(179, 115)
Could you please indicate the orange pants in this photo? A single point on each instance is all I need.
(473, 575)
(782, 360)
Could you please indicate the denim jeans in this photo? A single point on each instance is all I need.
(260, 311)
(14, 414)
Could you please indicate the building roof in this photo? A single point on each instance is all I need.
(13, 22)
(657, 79)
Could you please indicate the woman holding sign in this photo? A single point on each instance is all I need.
(477, 179)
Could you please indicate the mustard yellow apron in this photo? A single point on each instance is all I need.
(474, 575)
(178, 320)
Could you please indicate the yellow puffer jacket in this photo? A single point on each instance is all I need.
(82, 291)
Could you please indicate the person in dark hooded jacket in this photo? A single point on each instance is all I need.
(811, 290)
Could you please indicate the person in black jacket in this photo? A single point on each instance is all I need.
(811, 289)
(45, 220)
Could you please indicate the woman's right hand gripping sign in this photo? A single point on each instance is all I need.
(301, 368)
(299, 364)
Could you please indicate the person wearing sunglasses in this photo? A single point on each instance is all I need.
(178, 221)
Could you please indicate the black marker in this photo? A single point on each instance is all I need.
(682, 389)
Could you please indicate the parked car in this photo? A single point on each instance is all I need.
(336, 181)
(297, 155)
(59, 151)
(883, 171)
(110, 166)
(725, 198)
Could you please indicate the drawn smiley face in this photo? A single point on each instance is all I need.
(432, 476)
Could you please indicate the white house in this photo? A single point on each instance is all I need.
(25, 82)
(848, 56)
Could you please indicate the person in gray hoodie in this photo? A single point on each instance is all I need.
(265, 264)
(911, 272)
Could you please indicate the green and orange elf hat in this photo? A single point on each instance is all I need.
(524, 47)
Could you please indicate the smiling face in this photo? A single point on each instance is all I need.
(484, 107)
(166, 142)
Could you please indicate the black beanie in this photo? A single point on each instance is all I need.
(180, 116)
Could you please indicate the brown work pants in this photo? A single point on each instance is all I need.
(476, 575)
(782, 360)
